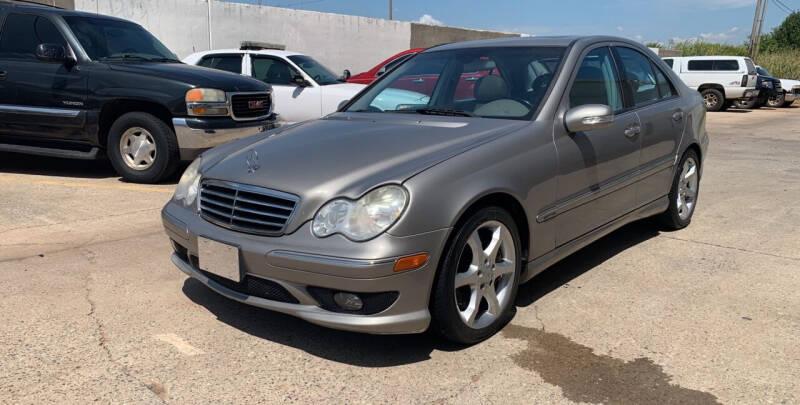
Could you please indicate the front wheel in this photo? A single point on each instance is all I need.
(474, 292)
(747, 104)
(142, 148)
(684, 192)
(776, 100)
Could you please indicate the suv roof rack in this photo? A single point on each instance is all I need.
(255, 46)
(29, 3)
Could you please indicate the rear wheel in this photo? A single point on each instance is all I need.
(474, 292)
(142, 148)
(776, 100)
(684, 192)
(713, 99)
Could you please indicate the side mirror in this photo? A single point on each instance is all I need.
(589, 117)
(300, 81)
(342, 104)
(53, 53)
(346, 74)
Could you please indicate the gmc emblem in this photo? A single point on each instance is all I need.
(255, 104)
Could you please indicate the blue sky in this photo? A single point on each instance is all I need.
(727, 21)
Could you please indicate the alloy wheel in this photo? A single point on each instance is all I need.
(710, 99)
(687, 188)
(485, 275)
(137, 148)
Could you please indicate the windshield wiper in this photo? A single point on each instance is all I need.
(165, 60)
(125, 56)
(443, 111)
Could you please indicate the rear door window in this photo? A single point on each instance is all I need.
(229, 63)
(22, 33)
(638, 75)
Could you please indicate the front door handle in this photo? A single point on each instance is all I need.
(633, 130)
(677, 116)
(420, 80)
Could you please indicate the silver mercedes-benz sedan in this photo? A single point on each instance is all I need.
(428, 198)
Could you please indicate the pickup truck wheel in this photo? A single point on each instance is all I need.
(776, 100)
(142, 148)
(476, 285)
(683, 194)
(713, 99)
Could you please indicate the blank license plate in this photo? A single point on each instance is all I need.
(219, 258)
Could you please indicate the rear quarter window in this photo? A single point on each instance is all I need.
(723, 65)
(669, 62)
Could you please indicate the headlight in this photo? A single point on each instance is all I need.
(189, 185)
(363, 219)
(206, 102)
(767, 84)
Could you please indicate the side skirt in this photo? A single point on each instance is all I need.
(541, 263)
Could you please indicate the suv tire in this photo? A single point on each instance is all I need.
(751, 104)
(492, 287)
(713, 99)
(142, 148)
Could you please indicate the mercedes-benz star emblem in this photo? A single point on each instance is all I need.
(252, 161)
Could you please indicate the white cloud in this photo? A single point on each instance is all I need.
(620, 28)
(429, 20)
(707, 4)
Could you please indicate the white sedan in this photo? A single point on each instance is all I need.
(303, 89)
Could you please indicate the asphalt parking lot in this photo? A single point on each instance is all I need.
(92, 308)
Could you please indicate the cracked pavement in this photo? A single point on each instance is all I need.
(93, 310)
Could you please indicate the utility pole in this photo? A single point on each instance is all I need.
(209, 26)
(760, 26)
(754, 31)
(390, 9)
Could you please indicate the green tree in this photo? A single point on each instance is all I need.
(787, 35)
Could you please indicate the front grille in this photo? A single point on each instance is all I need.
(244, 208)
(244, 105)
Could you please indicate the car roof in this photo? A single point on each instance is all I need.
(706, 57)
(56, 11)
(273, 52)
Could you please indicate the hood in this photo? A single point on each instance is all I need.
(193, 75)
(348, 87)
(348, 154)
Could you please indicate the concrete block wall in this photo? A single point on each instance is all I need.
(338, 41)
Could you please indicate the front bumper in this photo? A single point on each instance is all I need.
(195, 135)
(301, 264)
(751, 94)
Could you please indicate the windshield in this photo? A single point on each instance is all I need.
(106, 39)
(319, 73)
(762, 71)
(500, 82)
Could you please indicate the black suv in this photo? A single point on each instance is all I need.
(768, 89)
(81, 85)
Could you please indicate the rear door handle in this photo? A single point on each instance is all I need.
(677, 116)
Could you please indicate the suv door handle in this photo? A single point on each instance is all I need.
(633, 130)
(677, 116)
(3, 74)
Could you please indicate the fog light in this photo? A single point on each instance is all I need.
(348, 301)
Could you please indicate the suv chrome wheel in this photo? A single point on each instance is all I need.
(138, 148)
(710, 99)
(687, 188)
(485, 275)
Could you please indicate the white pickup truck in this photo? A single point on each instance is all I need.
(720, 79)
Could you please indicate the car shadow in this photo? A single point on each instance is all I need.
(571, 267)
(392, 350)
(352, 348)
(18, 163)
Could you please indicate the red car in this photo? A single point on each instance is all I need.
(372, 74)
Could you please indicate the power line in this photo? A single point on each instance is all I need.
(786, 9)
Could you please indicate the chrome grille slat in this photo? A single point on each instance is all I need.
(246, 208)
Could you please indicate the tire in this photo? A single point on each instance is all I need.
(683, 195)
(451, 306)
(150, 144)
(713, 99)
(777, 101)
(748, 105)
(786, 104)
